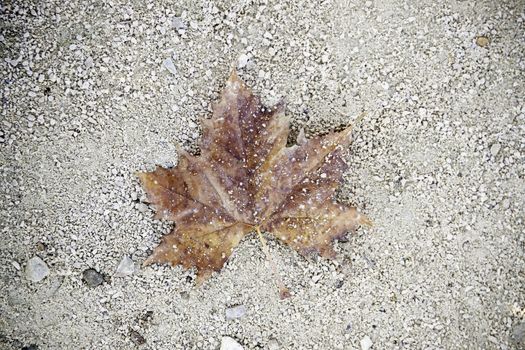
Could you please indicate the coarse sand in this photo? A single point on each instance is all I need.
(94, 91)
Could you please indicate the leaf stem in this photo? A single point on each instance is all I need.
(283, 291)
(359, 118)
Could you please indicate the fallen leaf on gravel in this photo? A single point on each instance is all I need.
(246, 180)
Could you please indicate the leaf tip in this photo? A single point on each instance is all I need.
(141, 175)
(327, 252)
(149, 261)
(365, 221)
(301, 138)
(202, 276)
(233, 75)
(284, 293)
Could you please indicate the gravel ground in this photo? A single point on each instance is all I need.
(93, 93)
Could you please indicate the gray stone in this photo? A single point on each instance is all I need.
(36, 269)
(228, 343)
(518, 335)
(137, 338)
(235, 312)
(125, 268)
(92, 277)
(178, 24)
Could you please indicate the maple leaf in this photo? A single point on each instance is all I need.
(246, 179)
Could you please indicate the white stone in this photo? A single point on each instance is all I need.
(178, 23)
(366, 343)
(36, 269)
(88, 62)
(170, 66)
(125, 268)
(16, 265)
(273, 345)
(228, 343)
(242, 61)
(235, 312)
(494, 149)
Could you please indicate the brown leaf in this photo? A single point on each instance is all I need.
(246, 179)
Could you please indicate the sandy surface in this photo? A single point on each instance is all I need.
(438, 164)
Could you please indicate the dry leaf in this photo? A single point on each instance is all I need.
(246, 180)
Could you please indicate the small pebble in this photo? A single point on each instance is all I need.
(228, 343)
(366, 343)
(36, 269)
(273, 345)
(170, 66)
(242, 61)
(92, 277)
(143, 208)
(235, 312)
(178, 24)
(494, 149)
(40, 246)
(137, 338)
(88, 63)
(16, 265)
(482, 41)
(125, 268)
